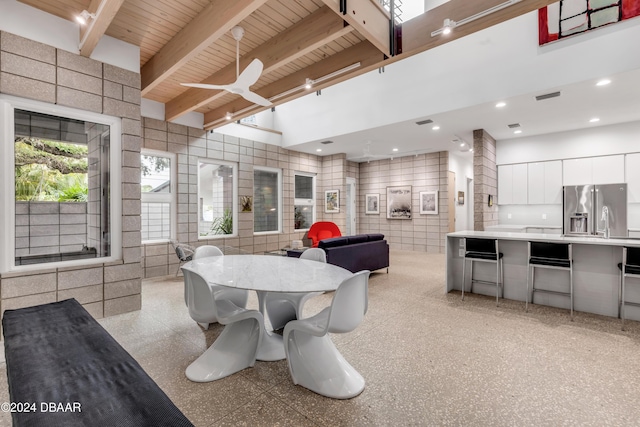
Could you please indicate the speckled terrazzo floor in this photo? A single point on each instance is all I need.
(428, 359)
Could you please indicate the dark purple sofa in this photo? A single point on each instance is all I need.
(355, 253)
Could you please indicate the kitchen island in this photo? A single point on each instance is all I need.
(596, 280)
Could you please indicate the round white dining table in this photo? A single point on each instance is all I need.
(267, 273)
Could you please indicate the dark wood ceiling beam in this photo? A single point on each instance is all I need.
(216, 19)
(91, 33)
(364, 52)
(368, 18)
(307, 35)
(416, 33)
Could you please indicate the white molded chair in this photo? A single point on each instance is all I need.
(283, 307)
(207, 250)
(237, 346)
(314, 362)
(237, 296)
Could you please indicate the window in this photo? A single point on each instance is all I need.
(157, 170)
(61, 184)
(304, 205)
(217, 199)
(267, 200)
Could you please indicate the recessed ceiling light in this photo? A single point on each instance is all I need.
(318, 149)
(603, 82)
(395, 149)
(436, 127)
(517, 131)
(501, 104)
(595, 119)
(462, 144)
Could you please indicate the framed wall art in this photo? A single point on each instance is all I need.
(570, 17)
(399, 202)
(332, 201)
(372, 204)
(429, 202)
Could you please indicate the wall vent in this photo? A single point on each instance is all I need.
(514, 125)
(424, 122)
(547, 96)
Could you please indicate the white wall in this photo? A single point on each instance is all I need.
(499, 62)
(596, 141)
(31, 23)
(462, 165)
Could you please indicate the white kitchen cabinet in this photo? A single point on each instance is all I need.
(545, 183)
(553, 182)
(535, 177)
(505, 184)
(520, 189)
(577, 171)
(512, 184)
(633, 177)
(608, 169)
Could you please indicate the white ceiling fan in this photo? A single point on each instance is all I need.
(249, 76)
(367, 155)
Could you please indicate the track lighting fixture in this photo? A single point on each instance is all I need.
(450, 24)
(84, 16)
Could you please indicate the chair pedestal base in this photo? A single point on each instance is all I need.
(271, 348)
(234, 350)
(316, 364)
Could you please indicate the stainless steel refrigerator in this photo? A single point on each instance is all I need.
(595, 210)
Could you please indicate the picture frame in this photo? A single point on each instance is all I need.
(429, 202)
(332, 201)
(372, 204)
(399, 202)
(246, 202)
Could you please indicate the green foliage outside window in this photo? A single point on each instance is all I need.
(50, 170)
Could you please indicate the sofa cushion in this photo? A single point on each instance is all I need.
(333, 242)
(375, 236)
(359, 238)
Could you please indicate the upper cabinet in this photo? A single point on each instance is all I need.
(577, 171)
(633, 177)
(512, 184)
(593, 170)
(608, 169)
(505, 185)
(545, 183)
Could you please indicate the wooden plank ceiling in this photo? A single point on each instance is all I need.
(189, 41)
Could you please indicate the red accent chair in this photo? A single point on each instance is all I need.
(322, 230)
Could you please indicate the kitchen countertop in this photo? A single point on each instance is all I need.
(554, 238)
(514, 226)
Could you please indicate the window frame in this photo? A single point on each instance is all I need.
(234, 197)
(170, 197)
(305, 202)
(8, 105)
(278, 171)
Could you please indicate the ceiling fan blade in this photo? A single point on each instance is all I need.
(250, 75)
(255, 98)
(206, 86)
